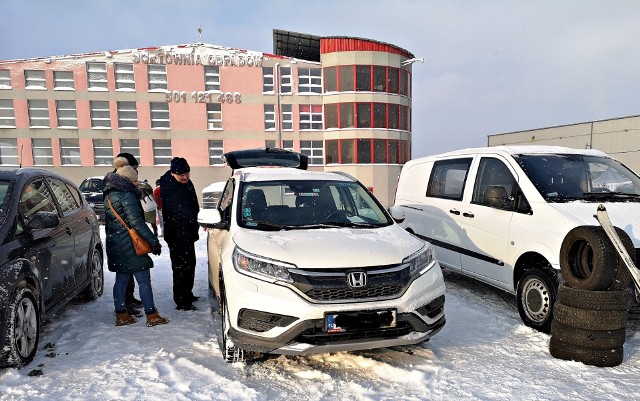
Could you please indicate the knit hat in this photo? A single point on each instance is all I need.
(179, 165)
(131, 160)
(128, 172)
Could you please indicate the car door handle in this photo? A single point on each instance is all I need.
(454, 211)
(87, 220)
(68, 230)
(469, 215)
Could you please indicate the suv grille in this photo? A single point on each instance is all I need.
(330, 285)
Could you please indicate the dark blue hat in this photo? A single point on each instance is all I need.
(179, 165)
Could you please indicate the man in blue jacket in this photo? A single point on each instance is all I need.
(180, 213)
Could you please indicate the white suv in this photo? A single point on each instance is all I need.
(307, 262)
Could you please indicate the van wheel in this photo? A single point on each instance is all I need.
(23, 329)
(535, 296)
(230, 353)
(588, 261)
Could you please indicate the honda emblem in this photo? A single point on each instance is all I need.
(357, 279)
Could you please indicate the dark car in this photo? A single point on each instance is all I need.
(50, 253)
(92, 188)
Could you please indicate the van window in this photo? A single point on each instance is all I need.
(494, 180)
(448, 178)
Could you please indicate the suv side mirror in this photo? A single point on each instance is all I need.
(397, 213)
(42, 220)
(210, 218)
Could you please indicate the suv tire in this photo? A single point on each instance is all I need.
(22, 334)
(587, 259)
(230, 353)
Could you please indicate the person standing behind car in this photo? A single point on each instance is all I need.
(180, 213)
(122, 196)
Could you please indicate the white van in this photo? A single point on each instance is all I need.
(501, 214)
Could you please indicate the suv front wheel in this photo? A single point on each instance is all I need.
(535, 296)
(230, 353)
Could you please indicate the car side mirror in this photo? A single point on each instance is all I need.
(210, 218)
(42, 220)
(397, 213)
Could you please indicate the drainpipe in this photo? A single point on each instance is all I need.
(276, 84)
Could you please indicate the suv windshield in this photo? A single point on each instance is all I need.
(92, 185)
(565, 177)
(295, 204)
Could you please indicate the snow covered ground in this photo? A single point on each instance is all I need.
(483, 353)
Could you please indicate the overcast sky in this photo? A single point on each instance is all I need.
(490, 66)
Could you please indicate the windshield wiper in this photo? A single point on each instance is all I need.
(610, 195)
(264, 223)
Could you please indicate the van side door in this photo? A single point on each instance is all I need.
(486, 222)
(440, 217)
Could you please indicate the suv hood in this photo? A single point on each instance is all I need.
(625, 215)
(331, 247)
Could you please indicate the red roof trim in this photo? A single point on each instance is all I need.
(346, 44)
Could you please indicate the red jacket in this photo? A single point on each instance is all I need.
(156, 194)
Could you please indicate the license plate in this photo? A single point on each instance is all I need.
(361, 320)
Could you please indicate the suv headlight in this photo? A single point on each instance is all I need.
(421, 261)
(261, 268)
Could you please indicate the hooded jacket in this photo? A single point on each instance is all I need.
(125, 198)
(179, 210)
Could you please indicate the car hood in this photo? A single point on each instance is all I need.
(331, 247)
(625, 215)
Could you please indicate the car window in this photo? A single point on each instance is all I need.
(4, 201)
(494, 179)
(226, 200)
(75, 193)
(448, 178)
(66, 201)
(92, 185)
(36, 197)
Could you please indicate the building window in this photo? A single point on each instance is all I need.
(346, 115)
(70, 151)
(392, 116)
(269, 117)
(214, 116)
(102, 152)
(331, 79)
(379, 78)
(34, 79)
(127, 115)
(42, 152)
(124, 77)
(38, 113)
(313, 149)
(379, 115)
(393, 80)
(363, 78)
(404, 82)
(365, 151)
(159, 115)
(380, 151)
(285, 80)
(130, 146)
(309, 80)
(331, 116)
(287, 145)
(66, 113)
(347, 82)
(267, 79)
(100, 115)
(287, 117)
(63, 80)
(97, 76)
(212, 78)
(157, 77)
(9, 152)
(215, 153)
(5, 79)
(161, 152)
(310, 116)
(270, 143)
(363, 115)
(7, 116)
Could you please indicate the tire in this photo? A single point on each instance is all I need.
(623, 277)
(594, 300)
(599, 339)
(22, 334)
(95, 288)
(230, 353)
(535, 295)
(590, 319)
(589, 356)
(588, 261)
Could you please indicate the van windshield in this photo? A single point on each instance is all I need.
(297, 204)
(566, 177)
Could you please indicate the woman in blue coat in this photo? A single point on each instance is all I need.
(124, 196)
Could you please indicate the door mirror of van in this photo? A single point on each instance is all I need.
(397, 213)
(210, 218)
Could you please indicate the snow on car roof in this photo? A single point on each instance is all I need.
(287, 173)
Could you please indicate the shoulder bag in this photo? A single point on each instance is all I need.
(141, 246)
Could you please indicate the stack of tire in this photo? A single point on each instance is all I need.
(591, 311)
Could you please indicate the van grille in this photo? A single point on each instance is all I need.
(330, 285)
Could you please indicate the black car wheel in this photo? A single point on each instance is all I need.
(23, 329)
(230, 353)
(95, 288)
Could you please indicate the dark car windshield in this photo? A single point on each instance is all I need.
(567, 177)
(297, 204)
(4, 200)
(92, 185)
